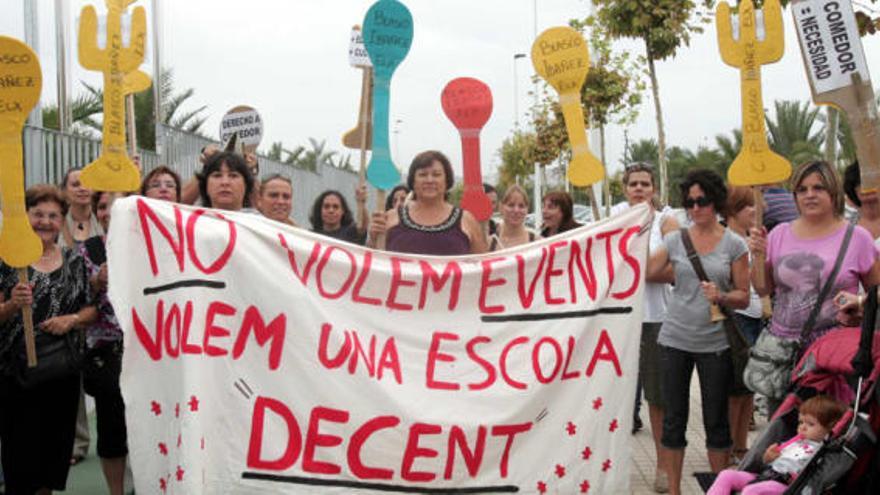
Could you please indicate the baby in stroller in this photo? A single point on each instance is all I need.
(816, 418)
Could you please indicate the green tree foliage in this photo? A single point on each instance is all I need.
(663, 26)
(794, 131)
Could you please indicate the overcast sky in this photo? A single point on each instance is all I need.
(289, 60)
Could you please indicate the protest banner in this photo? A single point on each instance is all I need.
(361, 136)
(755, 164)
(388, 34)
(245, 123)
(560, 56)
(113, 170)
(21, 80)
(467, 102)
(838, 73)
(261, 358)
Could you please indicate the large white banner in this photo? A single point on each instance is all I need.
(261, 358)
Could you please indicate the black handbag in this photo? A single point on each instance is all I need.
(58, 356)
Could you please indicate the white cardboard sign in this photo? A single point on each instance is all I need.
(261, 358)
(830, 43)
(357, 53)
(246, 122)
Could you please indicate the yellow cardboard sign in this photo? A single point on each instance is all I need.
(561, 57)
(136, 81)
(113, 170)
(22, 81)
(756, 163)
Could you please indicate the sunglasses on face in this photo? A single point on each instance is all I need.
(702, 202)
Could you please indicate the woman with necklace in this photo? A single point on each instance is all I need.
(429, 224)
(80, 222)
(37, 422)
(512, 231)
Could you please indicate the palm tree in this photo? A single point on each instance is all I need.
(729, 146)
(318, 156)
(83, 109)
(792, 133)
(173, 114)
(643, 150)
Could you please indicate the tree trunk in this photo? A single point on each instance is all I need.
(831, 135)
(606, 185)
(661, 135)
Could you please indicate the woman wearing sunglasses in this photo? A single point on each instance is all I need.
(688, 337)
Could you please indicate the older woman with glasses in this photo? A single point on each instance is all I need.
(161, 183)
(689, 337)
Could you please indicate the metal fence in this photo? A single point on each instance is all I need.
(48, 154)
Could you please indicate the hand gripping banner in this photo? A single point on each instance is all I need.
(261, 358)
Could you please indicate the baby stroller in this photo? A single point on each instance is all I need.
(845, 364)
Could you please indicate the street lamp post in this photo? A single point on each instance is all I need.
(516, 56)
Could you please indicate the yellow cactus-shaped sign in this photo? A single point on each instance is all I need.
(113, 170)
(136, 81)
(561, 57)
(756, 163)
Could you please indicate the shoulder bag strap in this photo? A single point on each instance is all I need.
(692, 255)
(811, 321)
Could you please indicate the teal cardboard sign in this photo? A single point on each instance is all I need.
(388, 34)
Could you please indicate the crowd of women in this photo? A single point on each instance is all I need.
(67, 290)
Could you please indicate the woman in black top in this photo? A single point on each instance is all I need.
(37, 423)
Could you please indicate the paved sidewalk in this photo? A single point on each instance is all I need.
(644, 458)
(86, 478)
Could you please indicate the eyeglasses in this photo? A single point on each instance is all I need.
(168, 184)
(639, 166)
(702, 202)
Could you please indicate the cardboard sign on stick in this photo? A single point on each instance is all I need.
(136, 81)
(560, 56)
(835, 64)
(756, 163)
(468, 104)
(113, 170)
(388, 34)
(244, 122)
(361, 137)
(19, 245)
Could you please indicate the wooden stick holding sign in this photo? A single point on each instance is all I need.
(560, 56)
(838, 72)
(360, 137)
(388, 34)
(468, 104)
(19, 244)
(134, 82)
(756, 164)
(113, 170)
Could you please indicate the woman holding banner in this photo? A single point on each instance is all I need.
(716, 276)
(103, 362)
(225, 182)
(276, 198)
(557, 213)
(428, 223)
(332, 217)
(638, 186)
(39, 405)
(512, 231)
(161, 183)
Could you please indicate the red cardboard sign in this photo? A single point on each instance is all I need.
(467, 102)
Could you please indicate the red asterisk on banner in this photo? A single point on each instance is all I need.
(585, 486)
(560, 470)
(571, 428)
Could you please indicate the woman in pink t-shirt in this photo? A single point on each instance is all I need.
(800, 255)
